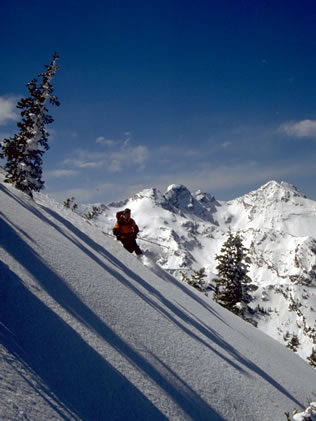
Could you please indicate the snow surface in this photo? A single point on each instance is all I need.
(87, 332)
(308, 415)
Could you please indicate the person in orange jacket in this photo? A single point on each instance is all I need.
(125, 229)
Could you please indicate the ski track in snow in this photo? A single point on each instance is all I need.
(89, 333)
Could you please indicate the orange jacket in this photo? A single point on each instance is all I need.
(125, 229)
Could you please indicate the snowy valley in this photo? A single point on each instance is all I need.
(278, 225)
(88, 332)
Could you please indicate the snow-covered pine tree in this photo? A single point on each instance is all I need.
(294, 343)
(232, 282)
(24, 151)
(197, 279)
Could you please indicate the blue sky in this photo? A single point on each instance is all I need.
(216, 95)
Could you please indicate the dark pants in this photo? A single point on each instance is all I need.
(131, 245)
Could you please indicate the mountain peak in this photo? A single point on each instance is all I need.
(179, 196)
(176, 189)
(206, 199)
(180, 199)
(282, 187)
(275, 191)
(153, 193)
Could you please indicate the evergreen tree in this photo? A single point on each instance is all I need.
(197, 279)
(312, 358)
(232, 283)
(24, 151)
(92, 213)
(70, 204)
(294, 343)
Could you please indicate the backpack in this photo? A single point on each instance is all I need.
(119, 216)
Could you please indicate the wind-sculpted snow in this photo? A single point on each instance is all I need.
(87, 332)
(278, 225)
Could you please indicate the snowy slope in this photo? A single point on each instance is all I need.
(87, 332)
(278, 224)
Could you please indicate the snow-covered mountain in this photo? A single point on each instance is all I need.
(87, 332)
(278, 224)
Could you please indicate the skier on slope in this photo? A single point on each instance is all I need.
(126, 230)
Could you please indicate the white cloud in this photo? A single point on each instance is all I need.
(111, 142)
(103, 141)
(8, 110)
(90, 164)
(61, 173)
(138, 155)
(226, 144)
(115, 165)
(128, 156)
(304, 128)
(124, 156)
(85, 159)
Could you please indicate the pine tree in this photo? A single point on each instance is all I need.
(197, 279)
(312, 358)
(231, 285)
(24, 151)
(71, 204)
(294, 343)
